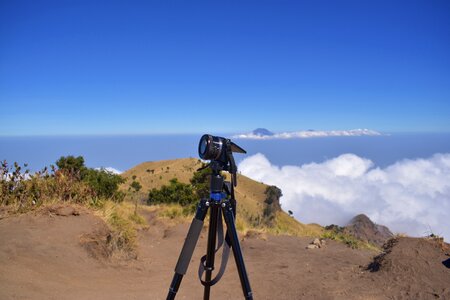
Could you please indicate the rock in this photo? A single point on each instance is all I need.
(317, 243)
(62, 210)
(312, 246)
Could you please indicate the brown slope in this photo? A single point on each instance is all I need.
(413, 268)
(42, 257)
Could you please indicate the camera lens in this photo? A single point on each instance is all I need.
(210, 147)
(203, 145)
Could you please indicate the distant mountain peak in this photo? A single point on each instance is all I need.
(262, 132)
(362, 227)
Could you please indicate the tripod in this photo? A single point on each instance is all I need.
(221, 201)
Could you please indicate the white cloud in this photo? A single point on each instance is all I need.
(410, 196)
(308, 134)
(110, 170)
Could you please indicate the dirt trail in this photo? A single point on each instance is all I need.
(49, 256)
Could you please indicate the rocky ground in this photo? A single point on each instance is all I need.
(62, 254)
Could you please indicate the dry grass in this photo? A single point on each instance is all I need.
(285, 224)
(123, 223)
(174, 212)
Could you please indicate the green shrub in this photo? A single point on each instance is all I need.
(103, 183)
(175, 192)
(71, 165)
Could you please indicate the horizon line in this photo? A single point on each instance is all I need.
(193, 133)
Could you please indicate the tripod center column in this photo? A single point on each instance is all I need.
(216, 187)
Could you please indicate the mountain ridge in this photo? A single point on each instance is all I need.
(250, 195)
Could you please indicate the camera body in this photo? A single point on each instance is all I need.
(216, 148)
(219, 151)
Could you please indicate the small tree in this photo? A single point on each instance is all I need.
(134, 188)
(105, 184)
(71, 165)
(200, 182)
(272, 203)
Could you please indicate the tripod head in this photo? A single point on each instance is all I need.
(219, 151)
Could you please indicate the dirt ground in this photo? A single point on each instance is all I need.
(62, 255)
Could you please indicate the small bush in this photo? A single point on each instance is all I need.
(124, 235)
(137, 219)
(96, 202)
(13, 185)
(175, 192)
(103, 183)
(172, 212)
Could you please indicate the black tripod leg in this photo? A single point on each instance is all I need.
(237, 253)
(210, 251)
(188, 249)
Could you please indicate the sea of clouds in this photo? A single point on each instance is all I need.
(308, 134)
(410, 196)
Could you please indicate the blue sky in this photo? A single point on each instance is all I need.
(136, 67)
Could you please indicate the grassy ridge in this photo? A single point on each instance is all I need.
(154, 174)
(250, 197)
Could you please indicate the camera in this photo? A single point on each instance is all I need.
(217, 148)
(219, 151)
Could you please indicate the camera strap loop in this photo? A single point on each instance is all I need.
(225, 255)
